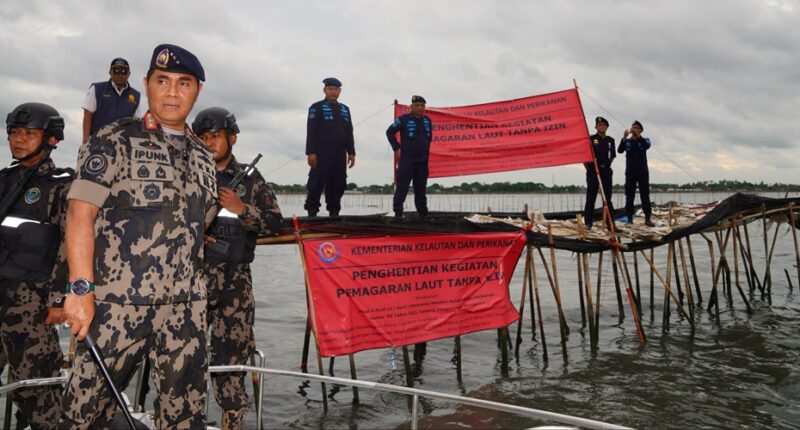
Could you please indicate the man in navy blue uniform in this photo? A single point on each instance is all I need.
(604, 153)
(636, 171)
(416, 131)
(330, 149)
(111, 100)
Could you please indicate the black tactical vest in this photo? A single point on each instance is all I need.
(28, 250)
(234, 244)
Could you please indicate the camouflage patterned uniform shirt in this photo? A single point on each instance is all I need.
(156, 193)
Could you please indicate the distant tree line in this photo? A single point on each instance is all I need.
(536, 187)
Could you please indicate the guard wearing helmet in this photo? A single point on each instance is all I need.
(32, 258)
(249, 209)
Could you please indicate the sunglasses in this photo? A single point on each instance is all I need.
(119, 71)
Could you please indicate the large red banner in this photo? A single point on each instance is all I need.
(391, 291)
(538, 131)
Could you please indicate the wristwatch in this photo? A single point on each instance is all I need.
(80, 287)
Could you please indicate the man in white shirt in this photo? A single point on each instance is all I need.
(111, 100)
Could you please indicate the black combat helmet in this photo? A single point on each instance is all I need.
(214, 118)
(37, 115)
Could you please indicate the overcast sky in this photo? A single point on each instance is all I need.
(715, 83)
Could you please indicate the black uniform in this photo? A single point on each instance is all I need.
(636, 172)
(330, 137)
(414, 146)
(33, 266)
(604, 153)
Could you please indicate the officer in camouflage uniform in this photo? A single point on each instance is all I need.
(32, 260)
(144, 194)
(249, 209)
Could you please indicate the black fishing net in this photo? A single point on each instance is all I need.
(456, 222)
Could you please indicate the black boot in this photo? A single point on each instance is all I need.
(312, 212)
(398, 216)
(648, 222)
(333, 212)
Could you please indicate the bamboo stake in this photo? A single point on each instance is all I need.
(712, 301)
(721, 265)
(735, 255)
(667, 291)
(689, 298)
(756, 281)
(458, 358)
(743, 252)
(737, 241)
(556, 289)
(615, 270)
(664, 283)
(793, 228)
(353, 376)
(766, 279)
(562, 320)
(582, 235)
(530, 295)
(579, 261)
(652, 285)
(502, 337)
(677, 273)
(522, 303)
(598, 298)
(694, 271)
(306, 340)
(788, 279)
(631, 299)
(638, 289)
(407, 366)
(768, 273)
(539, 307)
(588, 292)
(723, 245)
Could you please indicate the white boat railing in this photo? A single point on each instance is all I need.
(415, 393)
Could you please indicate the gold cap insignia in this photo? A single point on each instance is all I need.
(162, 59)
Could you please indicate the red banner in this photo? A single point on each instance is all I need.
(380, 292)
(538, 131)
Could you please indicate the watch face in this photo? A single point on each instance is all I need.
(80, 287)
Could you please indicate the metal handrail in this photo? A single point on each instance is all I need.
(414, 392)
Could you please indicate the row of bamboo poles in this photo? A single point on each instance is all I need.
(680, 282)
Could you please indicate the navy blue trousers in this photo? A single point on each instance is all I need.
(642, 179)
(329, 176)
(592, 189)
(416, 172)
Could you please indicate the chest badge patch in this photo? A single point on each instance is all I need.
(33, 195)
(152, 192)
(143, 172)
(241, 190)
(160, 173)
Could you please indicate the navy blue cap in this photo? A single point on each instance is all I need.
(173, 58)
(418, 99)
(332, 82)
(119, 62)
(600, 119)
(637, 123)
